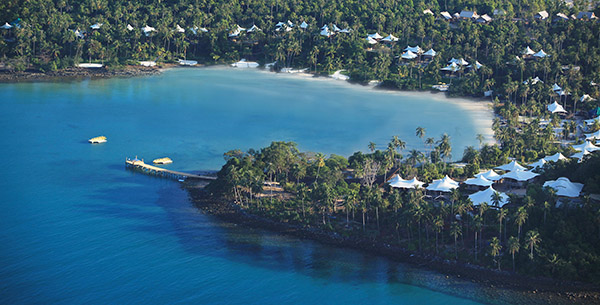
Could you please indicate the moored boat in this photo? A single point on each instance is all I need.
(164, 160)
(96, 140)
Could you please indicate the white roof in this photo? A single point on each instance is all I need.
(446, 15)
(148, 29)
(129, 27)
(239, 28)
(205, 30)
(533, 81)
(96, 26)
(443, 185)
(369, 39)
(390, 38)
(324, 27)
(538, 164)
(430, 52)
(375, 36)
(556, 87)
(416, 49)
(468, 14)
(461, 62)
(557, 156)
(304, 25)
(586, 146)
(485, 18)
(540, 54)
(487, 196)
(234, 33)
(555, 107)
(254, 28)
(542, 14)
(580, 155)
(398, 182)
(480, 181)
(477, 65)
(336, 29)
(528, 51)
(564, 187)
(327, 32)
(280, 24)
(512, 166)
(428, 11)
(586, 97)
(520, 175)
(337, 75)
(289, 23)
(451, 67)
(346, 30)
(592, 121)
(562, 16)
(409, 55)
(489, 175)
(194, 30)
(179, 29)
(6, 26)
(593, 136)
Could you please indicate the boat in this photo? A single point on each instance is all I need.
(164, 160)
(96, 140)
(245, 64)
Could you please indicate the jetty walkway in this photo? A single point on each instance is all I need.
(138, 164)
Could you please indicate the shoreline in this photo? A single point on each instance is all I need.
(546, 289)
(75, 73)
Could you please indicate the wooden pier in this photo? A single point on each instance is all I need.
(137, 164)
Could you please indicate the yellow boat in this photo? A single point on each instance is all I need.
(96, 140)
(164, 160)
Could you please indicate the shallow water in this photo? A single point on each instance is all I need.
(78, 228)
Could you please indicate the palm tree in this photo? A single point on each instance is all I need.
(320, 163)
(480, 138)
(444, 146)
(455, 231)
(398, 144)
(420, 132)
(513, 247)
(438, 225)
(533, 239)
(520, 218)
(372, 146)
(477, 225)
(495, 248)
(501, 215)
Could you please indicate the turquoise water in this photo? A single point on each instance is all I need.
(77, 228)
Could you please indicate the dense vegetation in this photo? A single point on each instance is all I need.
(45, 40)
(532, 234)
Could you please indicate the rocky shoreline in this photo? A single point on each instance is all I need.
(544, 288)
(76, 73)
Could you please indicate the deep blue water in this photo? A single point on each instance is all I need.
(77, 228)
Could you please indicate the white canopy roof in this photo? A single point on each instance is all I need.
(280, 24)
(587, 146)
(336, 29)
(416, 49)
(480, 181)
(96, 26)
(593, 136)
(179, 29)
(542, 15)
(453, 67)
(564, 187)
(443, 185)
(428, 11)
(129, 27)
(304, 25)
(489, 175)
(430, 52)
(476, 65)
(540, 54)
(325, 27)
(205, 30)
(235, 33)
(398, 182)
(369, 39)
(520, 175)
(254, 28)
(346, 30)
(533, 81)
(148, 29)
(487, 196)
(446, 15)
(326, 32)
(528, 51)
(556, 87)
(512, 166)
(586, 97)
(557, 156)
(390, 38)
(462, 62)
(395, 179)
(6, 26)
(290, 24)
(556, 107)
(375, 36)
(580, 155)
(538, 164)
(409, 55)
(194, 30)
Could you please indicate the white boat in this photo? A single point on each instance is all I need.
(164, 160)
(90, 66)
(339, 76)
(292, 70)
(245, 64)
(188, 62)
(148, 63)
(97, 140)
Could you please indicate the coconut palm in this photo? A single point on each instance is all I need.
(438, 225)
(455, 231)
(520, 218)
(495, 249)
(533, 239)
(501, 215)
(513, 247)
(372, 146)
(420, 132)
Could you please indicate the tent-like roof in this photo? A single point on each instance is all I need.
(564, 187)
(409, 55)
(520, 175)
(580, 155)
(453, 67)
(254, 28)
(512, 166)
(489, 175)
(347, 30)
(476, 65)
(6, 26)
(396, 178)
(430, 52)
(586, 97)
(428, 11)
(205, 30)
(290, 24)
(280, 24)
(534, 81)
(556, 87)
(336, 29)
(586, 146)
(326, 32)
(96, 26)
(540, 54)
(593, 136)
(406, 184)
(592, 120)
(148, 29)
(460, 61)
(369, 39)
(235, 33)
(538, 164)
(375, 36)
(528, 51)
(416, 50)
(555, 107)
(446, 15)
(179, 29)
(480, 181)
(557, 156)
(304, 25)
(443, 185)
(542, 15)
(562, 16)
(129, 27)
(390, 38)
(487, 196)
